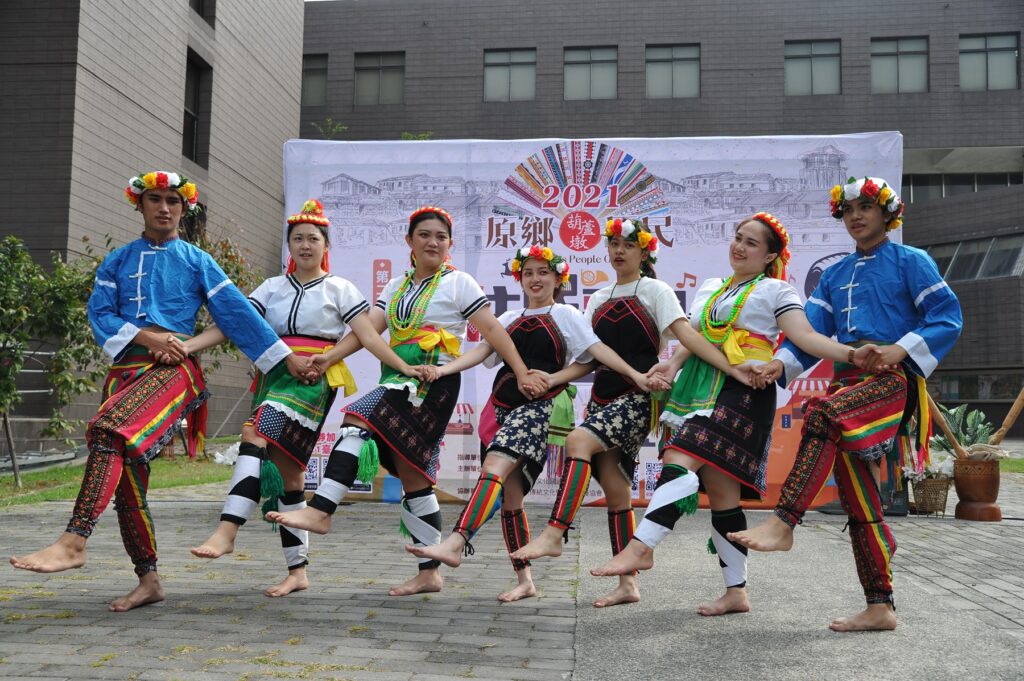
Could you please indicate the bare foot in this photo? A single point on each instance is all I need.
(295, 581)
(66, 553)
(771, 535)
(875, 617)
(307, 518)
(549, 543)
(220, 543)
(148, 591)
(448, 552)
(734, 600)
(626, 592)
(636, 556)
(427, 581)
(524, 589)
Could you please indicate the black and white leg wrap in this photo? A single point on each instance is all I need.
(294, 543)
(732, 557)
(421, 515)
(244, 496)
(675, 484)
(340, 472)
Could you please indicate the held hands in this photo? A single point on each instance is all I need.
(663, 373)
(428, 373)
(303, 369)
(873, 358)
(533, 384)
(763, 375)
(650, 382)
(165, 347)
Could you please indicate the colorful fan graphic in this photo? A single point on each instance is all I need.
(582, 176)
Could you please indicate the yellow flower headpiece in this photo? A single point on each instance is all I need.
(556, 262)
(874, 188)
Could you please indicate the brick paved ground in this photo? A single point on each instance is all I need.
(957, 582)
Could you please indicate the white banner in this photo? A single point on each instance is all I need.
(507, 194)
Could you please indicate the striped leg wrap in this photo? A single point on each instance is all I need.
(814, 461)
(482, 504)
(732, 557)
(870, 537)
(245, 484)
(571, 490)
(674, 495)
(294, 543)
(516, 529)
(340, 472)
(134, 519)
(621, 527)
(421, 516)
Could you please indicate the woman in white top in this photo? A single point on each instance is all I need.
(634, 317)
(548, 336)
(718, 430)
(310, 309)
(402, 421)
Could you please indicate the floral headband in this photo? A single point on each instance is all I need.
(777, 270)
(556, 262)
(633, 230)
(874, 188)
(312, 212)
(159, 179)
(432, 209)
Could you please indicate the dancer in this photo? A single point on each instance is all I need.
(143, 306)
(888, 294)
(634, 316)
(718, 430)
(549, 336)
(403, 419)
(309, 308)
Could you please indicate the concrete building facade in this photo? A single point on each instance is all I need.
(96, 91)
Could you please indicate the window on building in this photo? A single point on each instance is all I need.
(943, 254)
(923, 187)
(195, 134)
(673, 71)
(314, 79)
(510, 75)
(204, 8)
(899, 65)
(990, 62)
(812, 67)
(380, 78)
(968, 260)
(1004, 258)
(591, 72)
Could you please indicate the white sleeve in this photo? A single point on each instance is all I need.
(494, 359)
(388, 293)
(578, 334)
(666, 306)
(261, 296)
(469, 297)
(349, 300)
(786, 299)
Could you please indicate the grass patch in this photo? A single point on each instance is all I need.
(1011, 465)
(103, 659)
(62, 615)
(61, 484)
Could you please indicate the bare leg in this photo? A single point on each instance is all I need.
(617, 493)
(147, 592)
(875, 617)
(67, 553)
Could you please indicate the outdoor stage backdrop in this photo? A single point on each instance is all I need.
(507, 194)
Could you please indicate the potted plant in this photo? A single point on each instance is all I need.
(976, 467)
(931, 485)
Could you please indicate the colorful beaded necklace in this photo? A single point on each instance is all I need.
(403, 331)
(718, 332)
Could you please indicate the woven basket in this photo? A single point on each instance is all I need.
(930, 495)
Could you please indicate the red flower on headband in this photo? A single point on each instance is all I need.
(536, 252)
(617, 226)
(161, 180)
(652, 245)
(870, 189)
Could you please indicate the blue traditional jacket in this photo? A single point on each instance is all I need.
(142, 284)
(893, 294)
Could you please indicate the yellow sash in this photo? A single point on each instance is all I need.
(740, 346)
(429, 338)
(337, 375)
